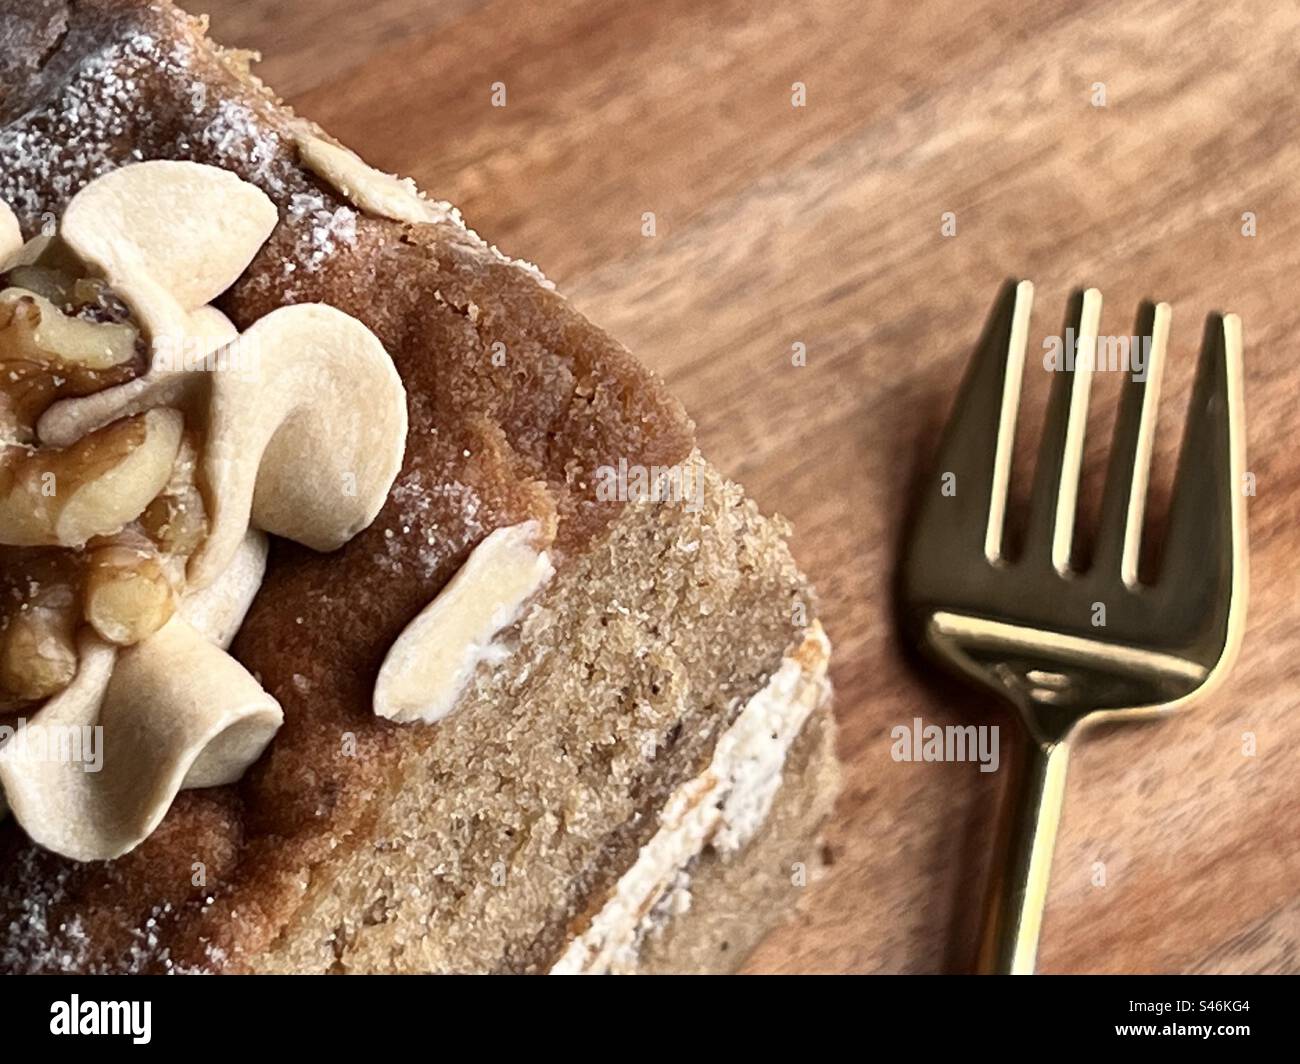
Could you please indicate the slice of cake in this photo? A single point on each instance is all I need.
(527, 685)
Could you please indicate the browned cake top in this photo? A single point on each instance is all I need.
(88, 86)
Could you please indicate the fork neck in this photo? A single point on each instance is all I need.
(1023, 859)
(1052, 704)
(1049, 725)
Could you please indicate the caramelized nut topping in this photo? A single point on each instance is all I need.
(65, 335)
(98, 472)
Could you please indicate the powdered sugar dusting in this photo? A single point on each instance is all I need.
(324, 230)
(417, 499)
(33, 943)
(48, 155)
(235, 134)
(29, 945)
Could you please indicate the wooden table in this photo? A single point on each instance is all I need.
(823, 225)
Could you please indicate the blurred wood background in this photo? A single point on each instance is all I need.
(820, 225)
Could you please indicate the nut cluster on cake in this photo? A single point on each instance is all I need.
(146, 448)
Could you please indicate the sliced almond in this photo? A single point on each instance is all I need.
(434, 658)
(373, 191)
(65, 497)
(305, 444)
(168, 236)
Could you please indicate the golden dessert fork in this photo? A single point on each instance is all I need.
(1068, 646)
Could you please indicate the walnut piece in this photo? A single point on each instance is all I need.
(67, 496)
(127, 594)
(46, 354)
(38, 654)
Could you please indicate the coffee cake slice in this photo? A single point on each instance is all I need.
(632, 776)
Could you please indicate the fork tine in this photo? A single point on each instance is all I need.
(1203, 559)
(1123, 506)
(977, 442)
(1060, 455)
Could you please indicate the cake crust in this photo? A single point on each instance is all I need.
(90, 85)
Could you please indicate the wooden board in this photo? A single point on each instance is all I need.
(820, 225)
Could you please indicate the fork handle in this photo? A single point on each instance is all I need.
(1031, 811)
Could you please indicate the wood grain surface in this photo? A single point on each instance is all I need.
(821, 225)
